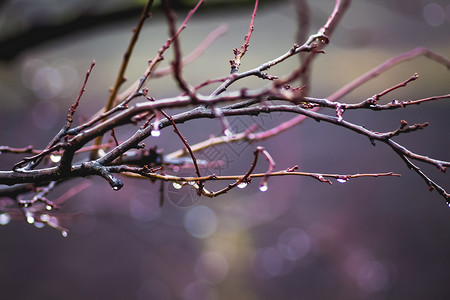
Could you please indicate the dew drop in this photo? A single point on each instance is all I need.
(39, 224)
(176, 185)
(30, 218)
(193, 184)
(64, 233)
(116, 188)
(155, 130)
(55, 158)
(228, 133)
(4, 219)
(101, 153)
(342, 180)
(263, 187)
(242, 185)
(48, 207)
(45, 218)
(156, 133)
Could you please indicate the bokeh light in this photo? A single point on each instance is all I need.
(199, 290)
(293, 243)
(200, 221)
(46, 114)
(144, 207)
(370, 274)
(153, 289)
(211, 267)
(434, 14)
(268, 263)
(4, 219)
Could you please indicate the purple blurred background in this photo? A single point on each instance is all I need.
(369, 238)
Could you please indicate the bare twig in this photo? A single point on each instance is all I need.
(186, 144)
(126, 58)
(34, 161)
(239, 53)
(304, 22)
(176, 64)
(384, 67)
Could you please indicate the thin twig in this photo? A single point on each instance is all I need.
(238, 54)
(188, 147)
(176, 64)
(120, 79)
(361, 80)
(34, 161)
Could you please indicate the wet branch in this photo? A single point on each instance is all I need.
(30, 183)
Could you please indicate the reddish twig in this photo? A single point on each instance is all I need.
(35, 160)
(176, 64)
(188, 147)
(263, 184)
(126, 57)
(72, 192)
(238, 54)
(402, 84)
(120, 79)
(384, 67)
(303, 21)
(152, 72)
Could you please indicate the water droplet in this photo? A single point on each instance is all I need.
(176, 185)
(101, 153)
(155, 130)
(55, 158)
(4, 219)
(176, 168)
(242, 185)
(30, 217)
(193, 184)
(263, 187)
(116, 188)
(156, 133)
(228, 133)
(45, 218)
(342, 179)
(64, 233)
(48, 207)
(38, 224)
